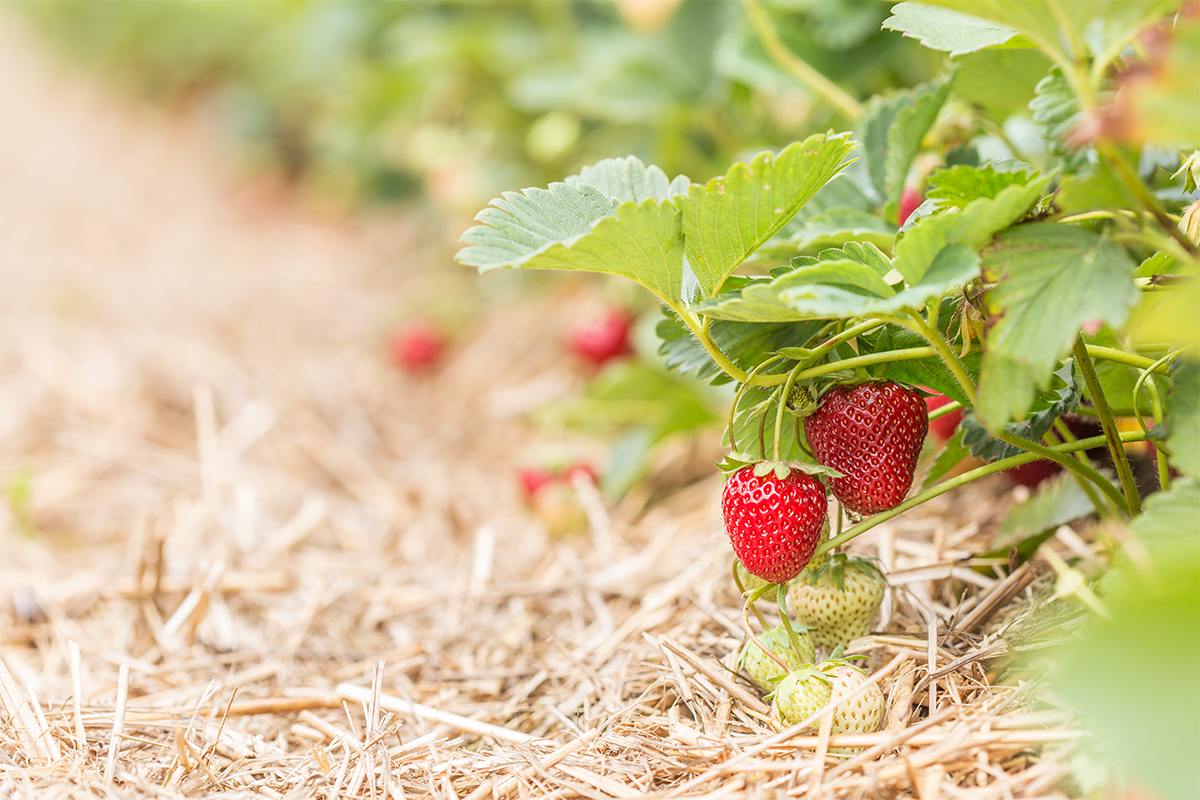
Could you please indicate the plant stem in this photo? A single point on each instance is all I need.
(942, 411)
(1086, 470)
(797, 67)
(931, 335)
(1100, 403)
(1129, 359)
(962, 480)
(783, 401)
(1102, 508)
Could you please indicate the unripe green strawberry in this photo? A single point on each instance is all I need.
(801, 694)
(763, 669)
(839, 600)
(860, 715)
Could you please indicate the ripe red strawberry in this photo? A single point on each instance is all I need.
(838, 601)
(418, 346)
(872, 433)
(774, 520)
(944, 426)
(763, 669)
(603, 337)
(909, 200)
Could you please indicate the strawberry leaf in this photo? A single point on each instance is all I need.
(973, 225)
(947, 30)
(746, 345)
(841, 289)
(1183, 419)
(729, 218)
(950, 456)
(959, 185)
(1048, 408)
(1053, 278)
(629, 180)
(891, 130)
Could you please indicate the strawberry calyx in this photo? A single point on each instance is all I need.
(835, 566)
(803, 401)
(735, 462)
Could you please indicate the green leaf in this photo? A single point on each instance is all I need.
(891, 130)
(1183, 419)
(950, 456)
(958, 186)
(1101, 27)
(840, 289)
(1063, 399)
(642, 242)
(731, 216)
(1056, 108)
(1148, 726)
(1095, 186)
(746, 345)
(520, 225)
(1055, 502)
(756, 407)
(943, 29)
(1000, 81)
(1053, 278)
(974, 225)
(837, 226)
(628, 180)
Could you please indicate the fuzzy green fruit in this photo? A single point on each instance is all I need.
(763, 669)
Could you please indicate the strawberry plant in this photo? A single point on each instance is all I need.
(1047, 272)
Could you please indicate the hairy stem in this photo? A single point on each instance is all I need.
(797, 67)
(1100, 403)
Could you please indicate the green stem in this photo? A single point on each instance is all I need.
(798, 67)
(962, 480)
(942, 411)
(1160, 454)
(1129, 359)
(1109, 151)
(783, 401)
(942, 349)
(1100, 403)
(1086, 470)
(1102, 508)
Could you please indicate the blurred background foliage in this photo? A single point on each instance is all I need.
(458, 99)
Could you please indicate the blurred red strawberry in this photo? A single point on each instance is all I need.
(910, 198)
(532, 479)
(944, 426)
(602, 337)
(418, 346)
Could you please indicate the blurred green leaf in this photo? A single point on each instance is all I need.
(947, 30)
(1056, 108)
(837, 226)
(1055, 502)
(949, 457)
(1183, 418)
(1000, 81)
(1052, 279)
(891, 130)
(1133, 677)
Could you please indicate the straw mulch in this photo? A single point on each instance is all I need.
(242, 556)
